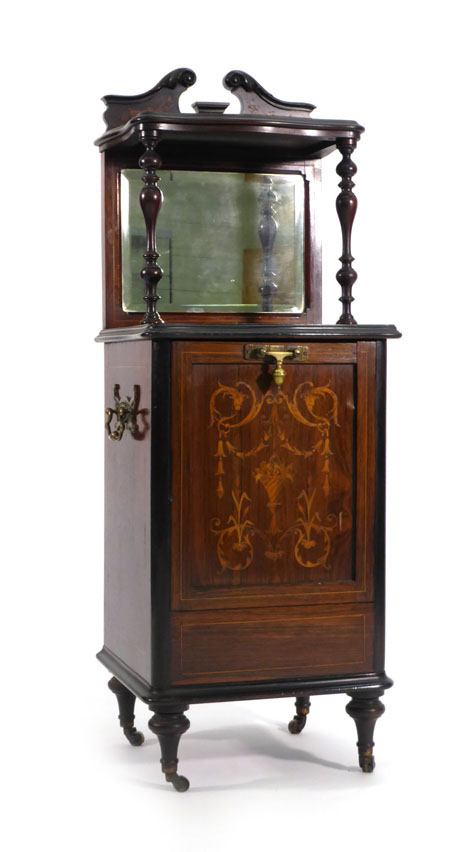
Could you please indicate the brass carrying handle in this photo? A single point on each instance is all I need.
(125, 413)
(279, 354)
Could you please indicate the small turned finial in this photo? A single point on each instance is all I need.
(346, 206)
(150, 201)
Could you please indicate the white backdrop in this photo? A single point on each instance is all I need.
(74, 783)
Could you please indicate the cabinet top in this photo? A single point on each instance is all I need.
(242, 332)
(264, 120)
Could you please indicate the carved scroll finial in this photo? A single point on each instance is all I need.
(150, 201)
(267, 233)
(346, 206)
(257, 101)
(163, 98)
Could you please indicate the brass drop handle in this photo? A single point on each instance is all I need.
(125, 413)
(279, 354)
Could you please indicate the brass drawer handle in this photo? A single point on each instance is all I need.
(279, 354)
(125, 412)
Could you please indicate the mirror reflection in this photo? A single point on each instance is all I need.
(228, 242)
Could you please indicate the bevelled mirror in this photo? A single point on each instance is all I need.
(228, 241)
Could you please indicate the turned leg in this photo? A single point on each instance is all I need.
(169, 723)
(126, 702)
(302, 706)
(365, 708)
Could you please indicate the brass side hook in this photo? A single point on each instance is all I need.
(125, 412)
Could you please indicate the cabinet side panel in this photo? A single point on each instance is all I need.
(127, 613)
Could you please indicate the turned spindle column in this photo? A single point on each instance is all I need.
(150, 201)
(267, 233)
(346, 206)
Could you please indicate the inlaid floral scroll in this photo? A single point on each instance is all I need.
(279, 460)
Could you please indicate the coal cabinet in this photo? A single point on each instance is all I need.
(245, 440)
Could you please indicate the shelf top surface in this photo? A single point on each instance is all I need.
(304, 135)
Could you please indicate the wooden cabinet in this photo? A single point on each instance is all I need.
(245, 447)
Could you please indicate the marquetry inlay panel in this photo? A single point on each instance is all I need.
(274, 462)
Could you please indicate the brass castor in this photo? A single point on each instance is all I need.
(367, 762)
(302, 706)
(135, 737)
(179, 782)
(296, 725)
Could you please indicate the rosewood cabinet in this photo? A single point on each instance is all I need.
(245, 441)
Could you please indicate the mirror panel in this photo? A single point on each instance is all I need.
(221, 236)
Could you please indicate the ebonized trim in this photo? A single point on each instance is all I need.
(160, 501)
(244, 331)
(124, 673)
(380, 500)
(272, 130)
(240, 692)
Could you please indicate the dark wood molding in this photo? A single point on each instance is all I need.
(239, 691)
(125, 674)
(241, 331)
(255, 100)
(292, 137)
(162, 98)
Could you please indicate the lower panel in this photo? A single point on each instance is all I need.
(266, 644)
